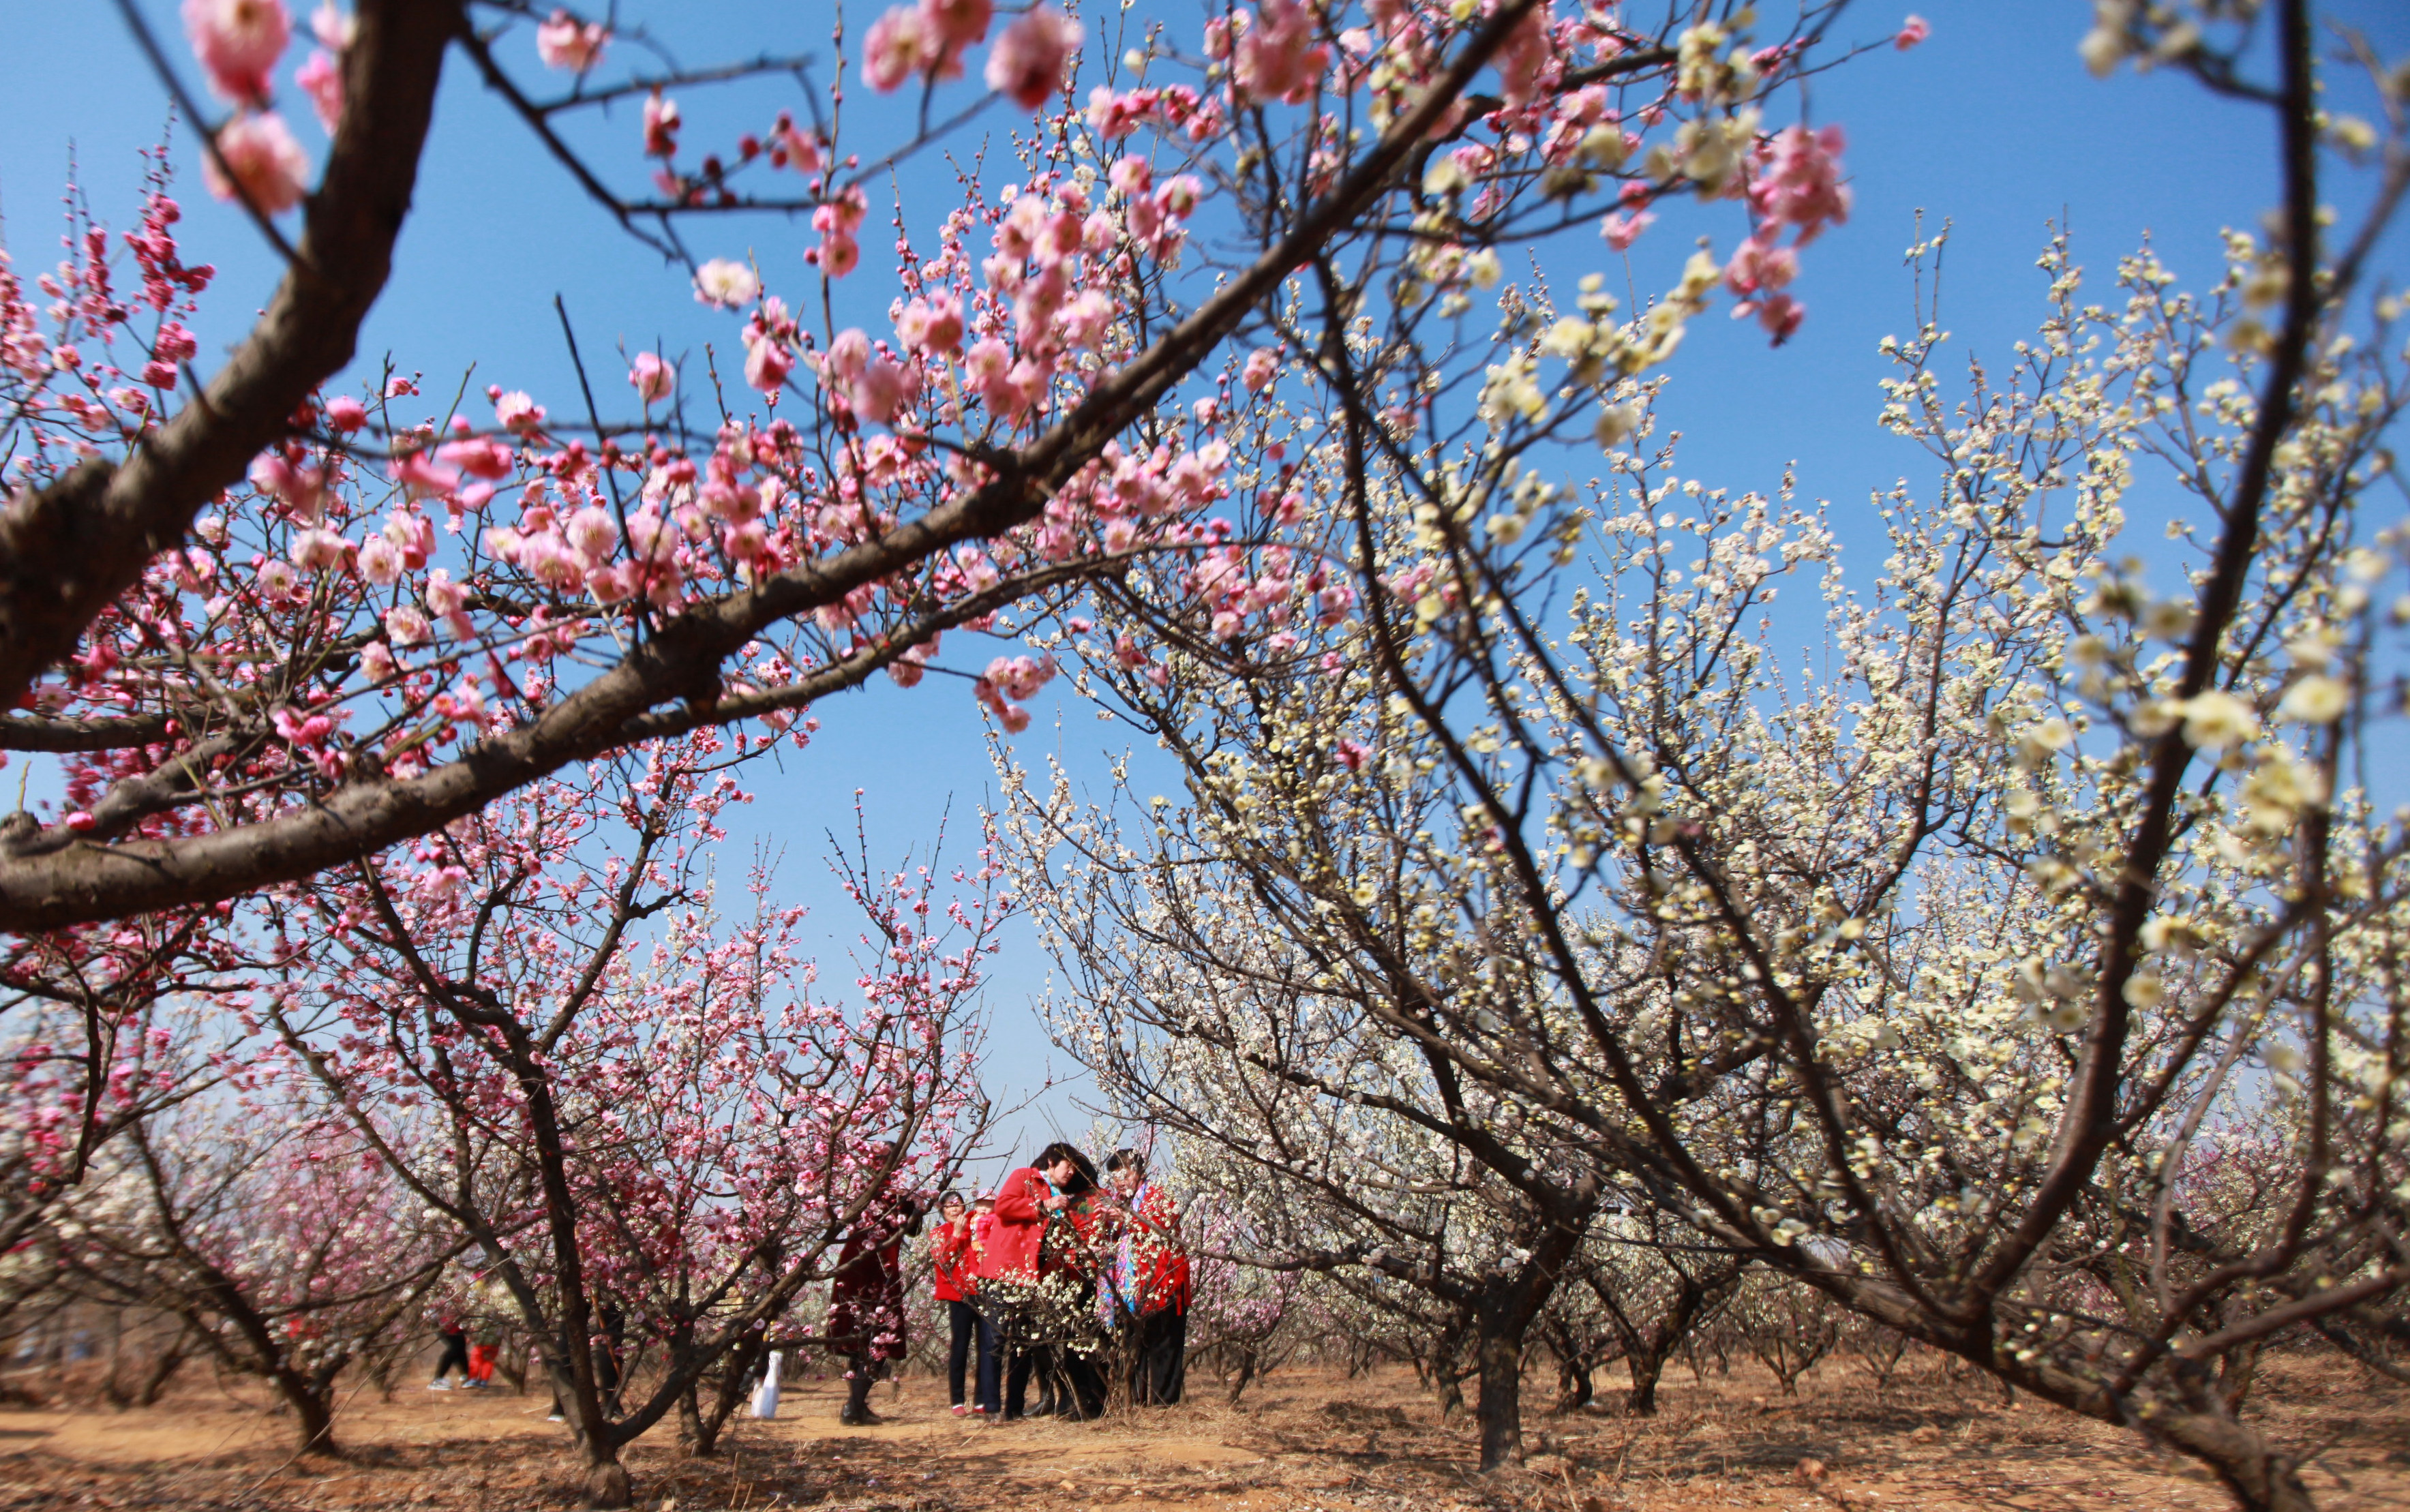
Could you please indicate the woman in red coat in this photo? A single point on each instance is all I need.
(1013, 1270)
(950, 1259)
(1147, 1282)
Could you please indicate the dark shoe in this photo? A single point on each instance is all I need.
(853, 1417)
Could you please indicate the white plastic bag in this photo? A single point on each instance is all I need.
(765, 1396)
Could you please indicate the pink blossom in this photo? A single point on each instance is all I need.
(1912, 31)
(958, 25)
(317, 548)
(1780, 314)
(838, 253)
(1797, 181)
(1352, 754)
(423, 476)
(376, 661)
(405, 626)
(346, 414)
(1131, 175)
(175, 343)
(483, 456)
(1280, 57)
(932, 324)
(238, 42)
(880, 390)
(321, 80)
(562, 41)
(1527, 64)
(444, 596)
(333, 29)
(1759, 266)
(380, 563)
(592, 532)
(651, 377)
(660, 125)
(1262, 364)
(1622, 229)
(516, 411)
(901, 43)
(1084, 320)
(767, 362)
(411, 534)
(910, 666)
(276, 580)
(1026, 62)
(263, 164)
(848, 355)
(609, 584)
(725, 283)
(298, 491)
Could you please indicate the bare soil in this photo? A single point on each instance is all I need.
(1308, 1439)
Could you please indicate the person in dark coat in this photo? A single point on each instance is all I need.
(865, 1324)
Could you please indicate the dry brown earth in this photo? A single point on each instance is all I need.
(1308, 1440)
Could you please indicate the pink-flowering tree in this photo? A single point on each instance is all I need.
(267, 625)
(289, 1251)
(104, 1027)
(649, 1124)
(1922, 976)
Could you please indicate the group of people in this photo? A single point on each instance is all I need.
(1060, 1277)
(1057, 1278)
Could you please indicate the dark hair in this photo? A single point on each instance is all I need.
(1086, 1168)
(1128, 1160)
(952, 1197)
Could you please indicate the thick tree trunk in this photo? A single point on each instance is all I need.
(1575, 1388)
(313, 1413)
(2260, 1476)
(1500, 1409)
(1641, 1400)
(606, 1479)
(700, 1434)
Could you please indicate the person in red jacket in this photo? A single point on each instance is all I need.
(1071, 1262)
(1011, 1272)
(948, 1266)
(1147, 1284)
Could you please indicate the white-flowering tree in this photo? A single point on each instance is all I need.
(1328, 1143)
(1952, 969)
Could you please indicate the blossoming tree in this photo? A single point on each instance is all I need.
(289, 1252)
(1933, 974)
(650, 1126)
(267, 621)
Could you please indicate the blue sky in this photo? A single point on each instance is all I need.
(1991, 125)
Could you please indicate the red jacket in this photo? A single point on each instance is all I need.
(948, 1260)
(1152, 1235)
(1010, 1252)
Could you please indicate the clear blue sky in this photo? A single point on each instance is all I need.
(1992, 124)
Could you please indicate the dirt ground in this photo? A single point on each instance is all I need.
(1306, 1440)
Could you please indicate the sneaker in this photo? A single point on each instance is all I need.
(556, 1418)
(439, 1385)
(960, 1409)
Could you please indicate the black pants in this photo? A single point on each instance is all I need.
(992, 1341)
(1028, 1358)
(1161, 1370)
(456, 1352)
(964, 1320)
